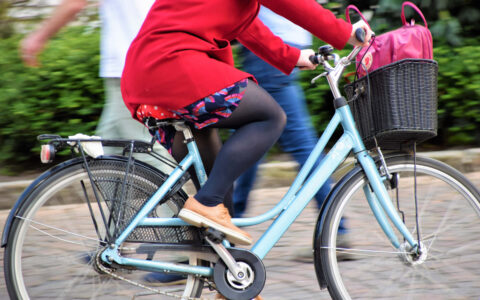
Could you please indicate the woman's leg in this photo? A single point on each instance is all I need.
(258, 122)
(209, 143)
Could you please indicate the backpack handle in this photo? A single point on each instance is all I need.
(404, 21)
(353, 7)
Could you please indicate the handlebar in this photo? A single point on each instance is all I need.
(325, 51)
(314, 59)
(334, 73)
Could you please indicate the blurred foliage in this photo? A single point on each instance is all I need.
(459, 93)
(63, 96)
(6, 26)
(449, 21)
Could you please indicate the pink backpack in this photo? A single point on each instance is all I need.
(408, 41)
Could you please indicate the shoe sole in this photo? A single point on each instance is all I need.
(200, 221)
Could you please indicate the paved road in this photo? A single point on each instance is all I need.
(286, 279)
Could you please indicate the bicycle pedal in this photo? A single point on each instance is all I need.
(214, 235)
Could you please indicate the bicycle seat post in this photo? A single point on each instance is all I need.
(187, 132)
(189, 140)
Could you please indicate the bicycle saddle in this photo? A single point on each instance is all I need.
(156, 112)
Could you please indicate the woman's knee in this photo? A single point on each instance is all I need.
(281, 120)
(272, 111)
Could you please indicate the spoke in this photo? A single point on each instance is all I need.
(58, 229)
(433, 236)
(444, 221)
(425, 205)
(364, 251)
(397, 279)
(436, 283)
(450, 266)
(455, 250)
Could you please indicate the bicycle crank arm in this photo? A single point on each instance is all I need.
(214, 238)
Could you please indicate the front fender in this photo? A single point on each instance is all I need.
(317, 241)
(44, 176)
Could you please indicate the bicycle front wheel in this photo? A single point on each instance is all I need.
(361, 263)
(56, 237)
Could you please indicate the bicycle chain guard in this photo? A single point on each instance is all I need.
(111, 272)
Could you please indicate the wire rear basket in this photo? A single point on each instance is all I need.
(396, 104)
(125, 189)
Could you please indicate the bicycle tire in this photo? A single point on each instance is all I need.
(52, 246)
(362, 264)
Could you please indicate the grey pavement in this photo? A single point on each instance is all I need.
(286, 278)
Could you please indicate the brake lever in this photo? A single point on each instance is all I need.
(318, 77)
(335, 57)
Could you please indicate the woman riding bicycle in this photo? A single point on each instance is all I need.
(181, 61)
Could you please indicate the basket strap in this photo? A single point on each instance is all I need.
(353, 7)
(404, 21)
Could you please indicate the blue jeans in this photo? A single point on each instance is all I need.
(298, 138)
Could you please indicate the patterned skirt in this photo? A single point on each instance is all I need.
(200, 114)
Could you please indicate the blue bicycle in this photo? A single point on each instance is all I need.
(92, 227)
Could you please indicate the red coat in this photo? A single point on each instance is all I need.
(182, 52)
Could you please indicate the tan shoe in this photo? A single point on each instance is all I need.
(217, 217)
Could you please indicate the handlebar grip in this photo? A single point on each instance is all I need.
(43, 137)
(314, 59)
(360, 35)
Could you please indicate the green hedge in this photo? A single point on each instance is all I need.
(65, 95)
(459, 94)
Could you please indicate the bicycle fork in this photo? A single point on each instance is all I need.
(376, 192)
(381, 204)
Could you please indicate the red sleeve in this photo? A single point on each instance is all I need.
(311, 16)
(269, 47)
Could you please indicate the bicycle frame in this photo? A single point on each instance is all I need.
(305, 186)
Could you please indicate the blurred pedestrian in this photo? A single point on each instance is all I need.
(120, 22)
(299, 137)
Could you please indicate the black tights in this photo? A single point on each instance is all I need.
(258, 122)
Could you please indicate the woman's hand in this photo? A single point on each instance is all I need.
(368, 34)
(30, 47)
(304, 62)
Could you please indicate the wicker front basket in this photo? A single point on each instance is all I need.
(402, 107)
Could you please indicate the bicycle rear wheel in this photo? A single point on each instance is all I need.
(362, 264)
(53, 246)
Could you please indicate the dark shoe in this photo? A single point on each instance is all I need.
(344, 252)
(163, 278)
(304, 255)
(344, 248)
(217, 217)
